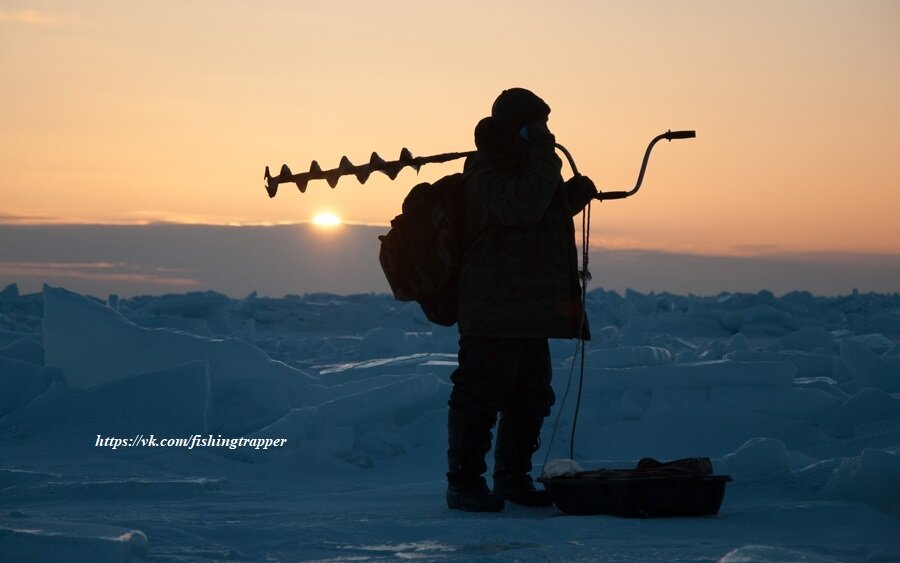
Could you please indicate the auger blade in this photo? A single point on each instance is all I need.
(285, 175)
(332, 177)
(362, 172)
(345, 167)
(392, 169)
(408, 159)
(271, 185)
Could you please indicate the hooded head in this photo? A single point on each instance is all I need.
(516, 107)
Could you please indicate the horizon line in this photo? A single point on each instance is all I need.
(623, 245)
(24, 221)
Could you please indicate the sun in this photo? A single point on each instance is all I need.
(326, 220)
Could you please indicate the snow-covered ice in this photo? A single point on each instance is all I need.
(796, 397)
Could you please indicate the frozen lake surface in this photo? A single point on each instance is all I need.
(796, 397)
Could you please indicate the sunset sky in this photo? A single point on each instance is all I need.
(125, 112)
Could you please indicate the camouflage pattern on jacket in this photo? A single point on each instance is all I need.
(519, 273)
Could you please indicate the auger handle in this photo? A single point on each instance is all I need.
(668, 135)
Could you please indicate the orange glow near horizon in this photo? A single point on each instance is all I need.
(140, 113)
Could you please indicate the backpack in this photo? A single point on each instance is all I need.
(421, 253)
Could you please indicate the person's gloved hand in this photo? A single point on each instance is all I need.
(581, 191)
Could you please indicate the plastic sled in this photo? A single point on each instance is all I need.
(684, 487)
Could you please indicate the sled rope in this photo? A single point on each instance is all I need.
(579, 354)
(585, 278)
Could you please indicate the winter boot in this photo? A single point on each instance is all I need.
(518, 437)
(469, 436)
(473, 497)
(520, 489)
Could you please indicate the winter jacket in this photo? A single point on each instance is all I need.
(519, 274)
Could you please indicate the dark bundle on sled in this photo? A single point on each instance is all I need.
(685, 487)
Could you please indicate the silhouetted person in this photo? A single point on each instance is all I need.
(519, 286)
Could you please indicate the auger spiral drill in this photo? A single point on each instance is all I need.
(393, 167)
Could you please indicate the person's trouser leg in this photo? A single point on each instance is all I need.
(469, 439)
(494, 374)
(518, 433)
(473, 412)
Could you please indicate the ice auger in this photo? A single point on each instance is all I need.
(393, 167)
